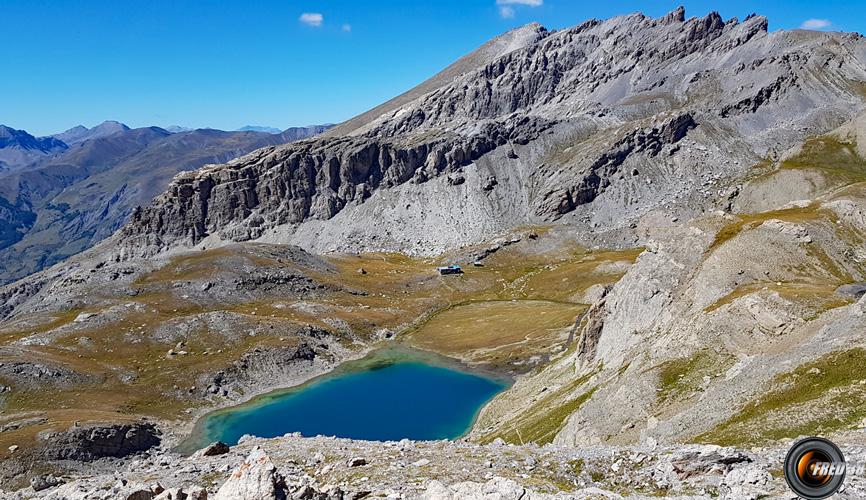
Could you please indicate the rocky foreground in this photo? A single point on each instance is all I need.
(332, 468)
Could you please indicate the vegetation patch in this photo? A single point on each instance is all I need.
(682, 377)
(541, 422)
(744, 222)
(186, 267)
(817, 297)
(567, 279)
(837, 160)
(56, 321)
(819, 397)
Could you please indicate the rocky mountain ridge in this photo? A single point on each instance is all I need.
(630, 78)
(18, 148)
(80, 133)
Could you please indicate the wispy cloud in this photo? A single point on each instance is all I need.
(815, 24)
(347, 28)
(506, 11)
(312, 19)
(531, 3)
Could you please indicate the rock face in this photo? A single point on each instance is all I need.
(261, 364)
(313, 180)
(590, 116)
(41, 373)
(94, 442)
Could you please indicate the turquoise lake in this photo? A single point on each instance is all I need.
(389, 395)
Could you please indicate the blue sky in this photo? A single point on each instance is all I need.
(225, 64)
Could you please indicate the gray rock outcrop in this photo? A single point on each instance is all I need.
(93, 442)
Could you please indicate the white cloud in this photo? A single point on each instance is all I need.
(506, 12)
(312, 19)
(531, 3)
(347, 28)
(815, 24)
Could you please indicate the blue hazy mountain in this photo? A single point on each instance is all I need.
(18, 148)
(258, 128)
(174, 129)
(81, 133)
(66, 197)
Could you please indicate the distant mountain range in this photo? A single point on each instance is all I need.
(257, 128)
(178, 128)
(82, 133)
(61, 194)
(18, 148)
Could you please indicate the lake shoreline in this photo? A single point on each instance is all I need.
(371, 360)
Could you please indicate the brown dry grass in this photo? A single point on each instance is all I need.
(397, 292)
(497, 331)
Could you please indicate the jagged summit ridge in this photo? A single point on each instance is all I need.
(497, 47)
(677, 15)
(568, 72)
(594, 81)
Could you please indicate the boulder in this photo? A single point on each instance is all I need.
(82, 317)
(184, 493)
(136, 492)
(497, 488)
(855, 290)
(213, 449)
(43, 482)
(750, 482)
(255, 479)
(708, 460)
(456, 179)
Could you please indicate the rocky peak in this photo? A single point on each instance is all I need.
(677, 15)
(497, 47)
(81, 133)
(711, 22)
(560, 72)
(10, 137)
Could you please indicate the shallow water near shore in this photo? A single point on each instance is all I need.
(390, 394)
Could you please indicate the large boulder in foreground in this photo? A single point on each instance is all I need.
(255, 479)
